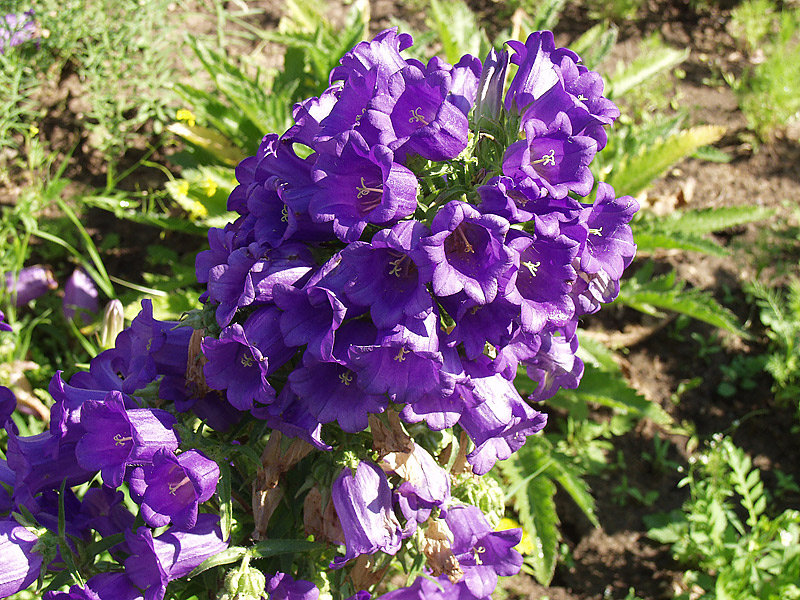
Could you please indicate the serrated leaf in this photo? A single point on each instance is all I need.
(269, 548)
(643, 68)
(596, 44)
(563, 471)
(666, 528)
(534, 502)
(226, 557)
(647, 243)
(708, 220)
(225, 502)
(649, 294)
(611, 390)
(635, 173)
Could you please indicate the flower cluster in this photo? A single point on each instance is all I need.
(382, 257)
(400, 252)
(16, 29)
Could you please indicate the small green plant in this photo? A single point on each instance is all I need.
(725, 534)
(768, 92)
(780, 314)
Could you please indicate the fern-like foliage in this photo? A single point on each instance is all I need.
(688, 229)
(651, 62)
(652, 294)
(780, 314)
(728, 558)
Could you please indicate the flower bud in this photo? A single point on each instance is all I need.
(113, 324)
(491, 84)
(244, 583)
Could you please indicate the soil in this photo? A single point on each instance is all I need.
(608, 561)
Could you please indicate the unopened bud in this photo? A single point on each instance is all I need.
(244, 583)
(113, 324)
(491, 84)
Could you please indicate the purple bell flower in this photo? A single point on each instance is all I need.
(29, 284)
(80, 297)
(491, 85)
(358, 184)
(376, 59)
(468, 252)
(238, 365)
(8, 404)
(482, 553)
(311, 317)
(415, 113)
(555, 365)
(553, 157)
(363, 503)
(3, 325)
(154, 562)
(390, 274)
(543, 278)
(404, 362)
(284, 587)
(537, 73)
(20, 565)
(173, 487)
(105, 586)
(116, 437)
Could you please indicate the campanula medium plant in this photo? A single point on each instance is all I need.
(322, 423)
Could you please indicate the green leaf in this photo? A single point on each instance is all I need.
(610, 389)
(226, 557)
(666, 528)
(644, 68)
(225, 502)
(649, 294)
(596, 44)
(103, 544)
(535, 505)
(635, 173)
(704, 221)
(566, 474)
(269, 548)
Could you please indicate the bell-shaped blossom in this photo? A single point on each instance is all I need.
(553, 157)
(390, 274)
(543, 278)
(482, 553)
(250, 275)
(41, 462)
(310, 318)
(282, 586)
(414, 113)
(7, 479)
(3, 325)
(514, 200)
(555, 365)
(173, 487)
(105, 586)
(80, 297)
(8, 403)
(425, 484)
(609, 245)
(404, 362)
(291, 416)
(468, 252)
(30, 283)
(16, 29)
(537, 72)
(240, 360)
(154, 562)
(116, 437)
(106, 513)
(363, 502)
(497, 420)
(376, 59)
(479, 324)
(20, 565)
(152, 348)
(358, 184)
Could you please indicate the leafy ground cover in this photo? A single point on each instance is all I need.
(702, 342)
